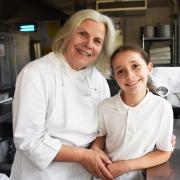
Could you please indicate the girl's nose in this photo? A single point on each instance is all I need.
(130, 74)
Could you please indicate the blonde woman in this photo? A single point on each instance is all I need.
(54, 107)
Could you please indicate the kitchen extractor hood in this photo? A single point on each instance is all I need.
(121, 6)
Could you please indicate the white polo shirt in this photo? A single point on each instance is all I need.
(132, 132)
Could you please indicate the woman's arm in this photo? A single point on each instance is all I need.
(29, 118)
(93, 160)
(151, 159)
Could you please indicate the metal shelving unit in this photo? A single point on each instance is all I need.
(147, 42)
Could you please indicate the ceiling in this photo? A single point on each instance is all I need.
(30, 10)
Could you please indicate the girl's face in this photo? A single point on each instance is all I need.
(131, 72)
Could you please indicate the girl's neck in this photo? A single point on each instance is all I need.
(132, 99)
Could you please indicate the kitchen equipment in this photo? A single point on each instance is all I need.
(149, 31)
(178, 96)
(162, 91)
(164, 30)
(14, 54)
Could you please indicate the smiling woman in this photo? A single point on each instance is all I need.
(54, 107)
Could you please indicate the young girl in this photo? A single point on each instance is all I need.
(135, 121)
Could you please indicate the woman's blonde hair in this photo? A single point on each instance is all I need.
(64, 33)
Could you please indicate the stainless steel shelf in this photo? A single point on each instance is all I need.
(158, 39)
(149, 40)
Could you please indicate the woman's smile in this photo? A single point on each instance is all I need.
(83, 52)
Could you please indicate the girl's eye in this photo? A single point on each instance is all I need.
(120, 71)
(136, 66)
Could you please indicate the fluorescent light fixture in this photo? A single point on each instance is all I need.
(27, 27)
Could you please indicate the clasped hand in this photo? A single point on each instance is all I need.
(95, 162)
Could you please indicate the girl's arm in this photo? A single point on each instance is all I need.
(151, 159)
(99, 143)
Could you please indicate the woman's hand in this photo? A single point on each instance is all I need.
(95, 162)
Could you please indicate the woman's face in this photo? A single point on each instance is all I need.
(85, 44)
(131, 72)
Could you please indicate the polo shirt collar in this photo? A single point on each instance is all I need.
(120, 105)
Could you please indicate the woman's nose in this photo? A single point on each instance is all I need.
(89, 43)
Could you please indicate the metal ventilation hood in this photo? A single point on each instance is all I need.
(128, 7)
(123, 7)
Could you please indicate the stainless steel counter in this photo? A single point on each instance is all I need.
(171, 169)
(166, 171)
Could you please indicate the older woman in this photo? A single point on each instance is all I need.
(54, 107)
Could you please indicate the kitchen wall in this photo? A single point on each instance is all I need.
(129, 27)
(153, 16)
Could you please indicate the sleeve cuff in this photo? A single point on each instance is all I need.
(44, 154)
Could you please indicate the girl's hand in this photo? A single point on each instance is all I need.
(118, 168)
(173, 141)
(95, 162)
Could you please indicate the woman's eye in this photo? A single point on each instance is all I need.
(82, 33)
(99, 42)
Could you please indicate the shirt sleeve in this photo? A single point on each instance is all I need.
(166, 130)
(30, 106)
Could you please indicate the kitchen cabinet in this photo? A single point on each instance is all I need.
(7, 149)
(160, 49)
(14, 55)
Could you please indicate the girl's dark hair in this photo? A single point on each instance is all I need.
(139, 50)
(131, 47)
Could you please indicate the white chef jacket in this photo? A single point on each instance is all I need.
(132, 132)
(54, 105)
